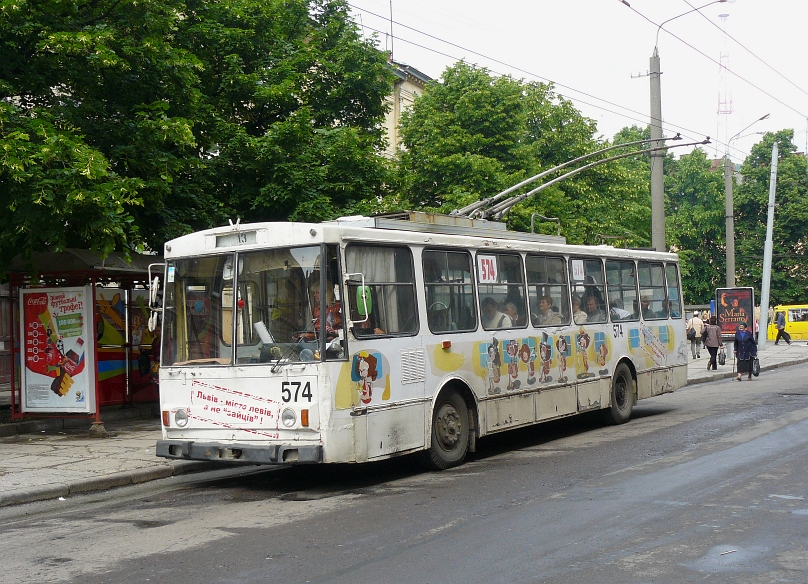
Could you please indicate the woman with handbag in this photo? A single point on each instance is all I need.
(745, 350)
(712, 340)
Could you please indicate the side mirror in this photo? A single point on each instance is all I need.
(155, 287)
(364, 303)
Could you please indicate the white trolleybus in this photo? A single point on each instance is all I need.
(364, 338)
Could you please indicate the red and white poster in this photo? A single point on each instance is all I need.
(58, 372)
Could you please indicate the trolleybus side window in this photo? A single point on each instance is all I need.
(195, 293)
(653, 297)
(501, 288)
(449, 291)
(586, 276)
(674, 300)
(386, 304)
(622, 285)
(547, 290)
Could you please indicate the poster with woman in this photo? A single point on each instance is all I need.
(734, 306)
(58, 370)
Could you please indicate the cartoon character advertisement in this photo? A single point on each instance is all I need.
(58, 373)
(532, 362)
(365, 382)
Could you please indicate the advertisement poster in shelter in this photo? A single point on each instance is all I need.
(58, 372)
(734, 306)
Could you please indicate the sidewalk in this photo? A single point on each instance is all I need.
(45, 459)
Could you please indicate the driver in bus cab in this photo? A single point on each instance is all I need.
(333, 315)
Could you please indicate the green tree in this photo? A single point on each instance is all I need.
(789, 281)
(472, 135)
(143, 120)
(695, 227)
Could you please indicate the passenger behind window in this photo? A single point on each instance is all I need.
(492, 318)
(546, 316)
(513, 312)
(647, 313)
(616, 310)
(578, 315)
(594, 311)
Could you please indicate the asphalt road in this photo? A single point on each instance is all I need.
(705, 485)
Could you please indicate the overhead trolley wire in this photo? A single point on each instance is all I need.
(643, 116)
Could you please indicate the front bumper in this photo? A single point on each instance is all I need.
(247, 454)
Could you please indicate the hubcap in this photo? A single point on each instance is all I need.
(620, 391)
(448, 427)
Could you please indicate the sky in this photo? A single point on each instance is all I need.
(597, 54)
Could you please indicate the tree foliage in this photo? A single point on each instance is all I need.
(789, 280)
(472, 135)
(128, 123)
(695, 226)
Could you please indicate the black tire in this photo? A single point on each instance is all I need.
(622, 396)
(450, 432)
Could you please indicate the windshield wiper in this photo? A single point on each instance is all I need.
(285, 354)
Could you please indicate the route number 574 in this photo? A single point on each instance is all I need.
(295, 391)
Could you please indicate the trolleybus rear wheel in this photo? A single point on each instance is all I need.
(619, 412)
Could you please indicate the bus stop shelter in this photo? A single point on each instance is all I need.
(78, 333)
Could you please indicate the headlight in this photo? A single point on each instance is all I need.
(181, 418)
(288, 417)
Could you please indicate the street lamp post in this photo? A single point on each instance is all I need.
(729, 207)
(657, 176)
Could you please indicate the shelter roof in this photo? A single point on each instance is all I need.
(82, 261)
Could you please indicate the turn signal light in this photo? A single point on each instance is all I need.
(304, 418)
(446, 344)
(166, 418)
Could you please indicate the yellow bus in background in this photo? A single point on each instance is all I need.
(796, 322)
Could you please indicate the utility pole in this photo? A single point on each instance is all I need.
(657, 176)
(767, 253)
(729, 207)
(730, 220)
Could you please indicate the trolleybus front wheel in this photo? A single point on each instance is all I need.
(450, 432)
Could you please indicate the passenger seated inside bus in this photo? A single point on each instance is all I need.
(578, 315)
(617, 312)
(513, 312)
(491, 316)
(546, 315)
(594, 310)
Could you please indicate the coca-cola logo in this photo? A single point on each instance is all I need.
(37, 300)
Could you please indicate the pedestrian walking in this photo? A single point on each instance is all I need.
(712, 340)
(745, 350)
(696, 325)
(780, 323)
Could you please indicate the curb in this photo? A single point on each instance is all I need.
(102, 483)
(704, 378)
